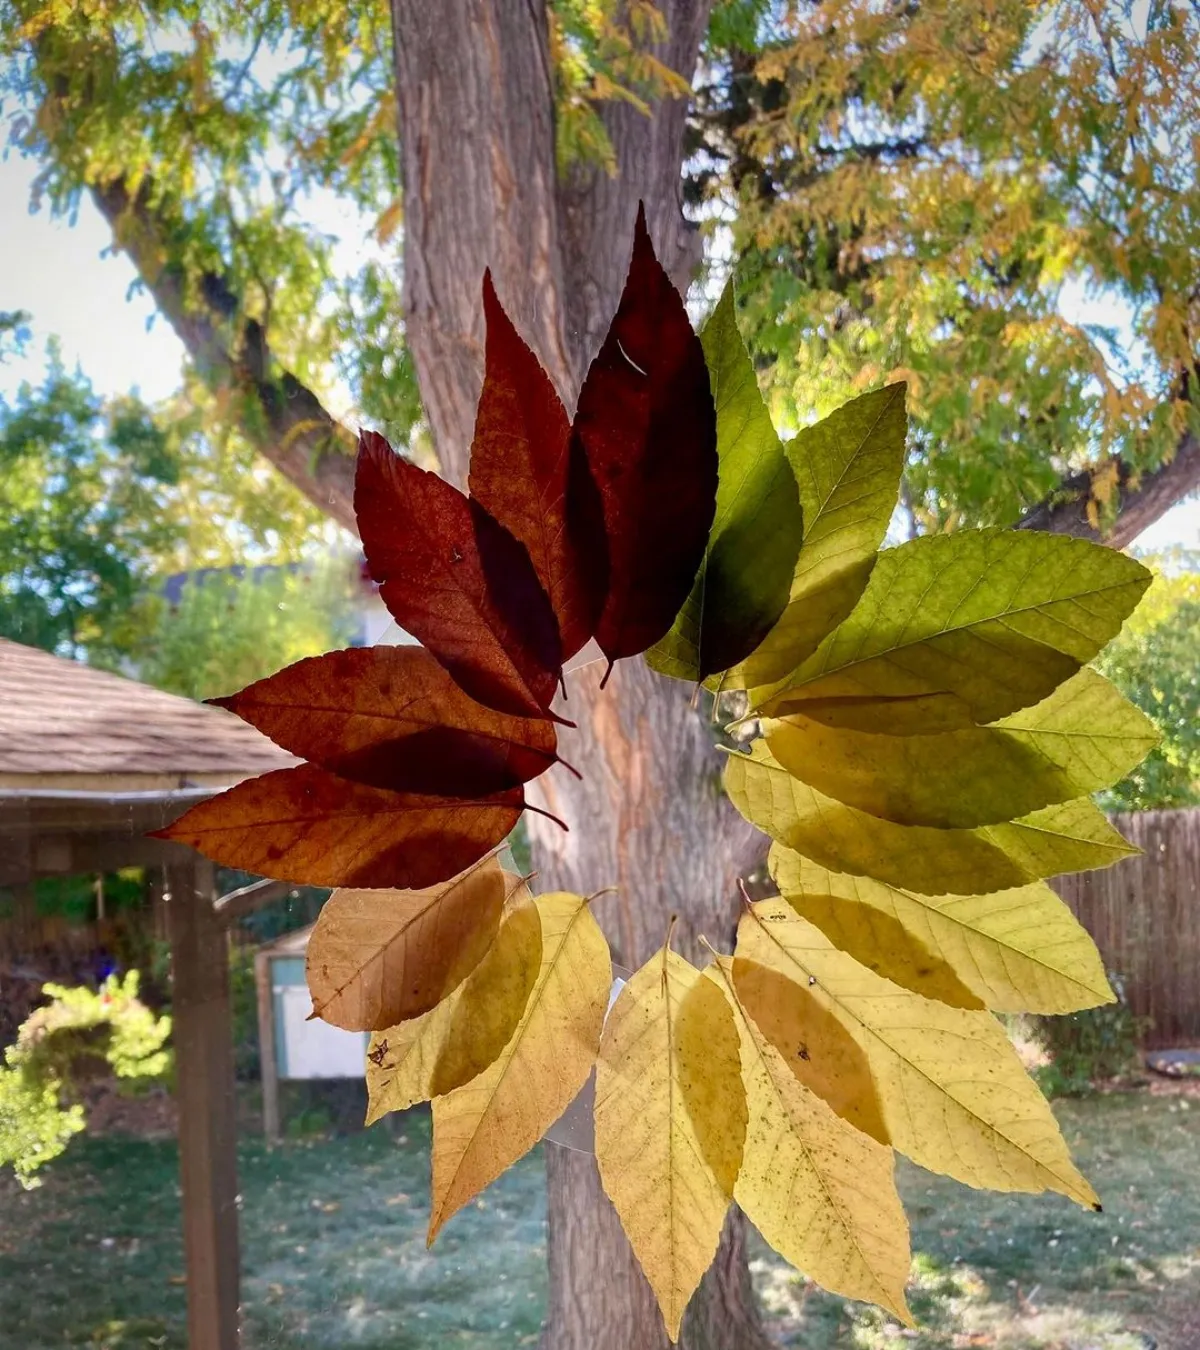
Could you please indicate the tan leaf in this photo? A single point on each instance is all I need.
(376, 958)
(1020, 950)
(955, 1097)
(670, 1123)
(465, 1033)
(818, 1190)
(481, 1128)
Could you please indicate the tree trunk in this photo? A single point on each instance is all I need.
(481, 189)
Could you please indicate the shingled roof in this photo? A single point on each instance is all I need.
(62, 722)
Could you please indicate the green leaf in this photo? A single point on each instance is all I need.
(743, 583)
(848, 470)
(1083, 737)
(1018, 950)
(1071, 837)
(985, 621)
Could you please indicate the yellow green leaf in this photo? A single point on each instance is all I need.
(743, 582)
(819, 1191)
(848, 471)
(995, 619)
(670, 1123)
(452, 1043)
(955, 1097)
(815, 1046)
(1019, 950)
(481, 1128)
(1064, 838)
(1082, 737)
(378, 957)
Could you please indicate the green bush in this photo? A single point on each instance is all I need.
(80, 1034)
(1093, 1046)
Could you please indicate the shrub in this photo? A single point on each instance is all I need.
(78, 1035)
(1089, 1047)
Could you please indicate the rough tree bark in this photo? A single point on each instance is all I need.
(481, 189)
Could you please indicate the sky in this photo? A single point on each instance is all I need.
(62, 274)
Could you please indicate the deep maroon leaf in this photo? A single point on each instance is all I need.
(533, 477)
(457, 581)
(393, 718)
(647, 425)
(307, 826)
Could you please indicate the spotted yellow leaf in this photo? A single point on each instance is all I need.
(818, 1190)
(670, 1123)
(955, 1097)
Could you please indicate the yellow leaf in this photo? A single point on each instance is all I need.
(479, 1129)
(1083, 737)
(380, 957)
(670, 1123)
(814, 1045)
(1065, 838)
(1019, 950)
(955, 1097)
(819, 1191)
(465, 1033)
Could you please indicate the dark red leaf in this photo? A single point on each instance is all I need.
(393, 718)
(647, 424)
(457, 581)
(532, 476)
(307, 826)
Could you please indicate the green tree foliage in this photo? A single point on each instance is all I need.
(917, 190)
(229, 628)
(100, 497)
(1155, 662)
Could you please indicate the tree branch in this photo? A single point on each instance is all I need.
(294, 431)
(1143, 500)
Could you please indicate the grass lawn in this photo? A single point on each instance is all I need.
(334, 1254)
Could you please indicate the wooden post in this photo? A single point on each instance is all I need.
(268, 1067)
(207, 1109)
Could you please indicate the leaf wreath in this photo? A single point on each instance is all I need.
(924, 734)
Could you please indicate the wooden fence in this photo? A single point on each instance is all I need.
(1144, 914)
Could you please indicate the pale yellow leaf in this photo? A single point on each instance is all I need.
(670, 1123)
(1083, 737)
(464, 1034)
(1019, 950)
(1069, 837)
(819, 1191)
(378, 957)
(479, 1129)
(955, 1097)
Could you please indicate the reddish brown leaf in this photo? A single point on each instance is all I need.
(393, 718)
(457, 581)
(532, 476)
(647, 425)
(308, 826)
